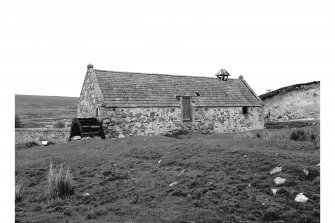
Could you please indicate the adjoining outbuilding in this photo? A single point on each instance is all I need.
(157, 104)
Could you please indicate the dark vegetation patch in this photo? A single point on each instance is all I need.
(212, 178)
(291, 124)
(59, 125)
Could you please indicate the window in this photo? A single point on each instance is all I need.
(245, 110)
(97, 112)
(186, 102)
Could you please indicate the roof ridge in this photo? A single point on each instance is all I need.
(174, 75)
(285, 89)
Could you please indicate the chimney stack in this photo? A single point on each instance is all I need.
(89, 66)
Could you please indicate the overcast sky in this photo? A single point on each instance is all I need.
(46, 45)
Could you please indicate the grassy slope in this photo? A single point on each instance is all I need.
(43, 111)
(219, 180)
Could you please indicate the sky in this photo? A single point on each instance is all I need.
(47, 45)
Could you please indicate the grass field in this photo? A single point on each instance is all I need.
(44, 111)
(219, 178)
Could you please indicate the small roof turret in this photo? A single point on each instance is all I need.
(222, 75)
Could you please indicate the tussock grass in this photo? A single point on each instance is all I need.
(18, 191)
(59, 182)
(304, 134)
(59, 125)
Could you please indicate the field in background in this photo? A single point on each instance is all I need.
(212, 178)
(44, 111)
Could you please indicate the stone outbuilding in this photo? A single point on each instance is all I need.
(130, 104)
(292, 103)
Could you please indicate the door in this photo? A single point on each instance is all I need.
(186, 109)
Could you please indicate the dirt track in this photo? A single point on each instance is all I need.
(218, 180)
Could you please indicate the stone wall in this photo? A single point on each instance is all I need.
(89, 99)
(37, 135)
(139, 121)
(303, 103)
(163, 121)
(227, 119)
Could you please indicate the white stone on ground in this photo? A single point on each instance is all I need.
(301, 198)
(276, 170)
(274, 191)
(172, 184)
(74, 138)
(279, 180)
(305, 172)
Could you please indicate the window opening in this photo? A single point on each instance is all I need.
(245, 110)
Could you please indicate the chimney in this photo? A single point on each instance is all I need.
(222, 75)
(89, 66)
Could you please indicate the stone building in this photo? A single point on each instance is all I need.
(294, 102)
(158, 104)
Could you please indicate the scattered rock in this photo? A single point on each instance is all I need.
(274, 191)
(305, 172)
(121, 136)
(172, 184)
(159, 161)
(301, 198)
(279, 180)
(86, 194)
(44, 143)
(276, 170)
(74, 138)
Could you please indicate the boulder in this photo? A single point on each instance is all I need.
(301, 198)
(279, 180)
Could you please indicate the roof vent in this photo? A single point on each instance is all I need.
(222, 75)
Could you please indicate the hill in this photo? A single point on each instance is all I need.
(295, 102)
(217, 179)
(36, 102)
(44, 111)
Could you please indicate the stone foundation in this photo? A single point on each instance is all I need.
(164, 121)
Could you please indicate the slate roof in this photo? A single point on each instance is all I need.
(124, 89)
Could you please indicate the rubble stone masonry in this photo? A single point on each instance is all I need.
(302, 103)
(164, 121)
(89, 99)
